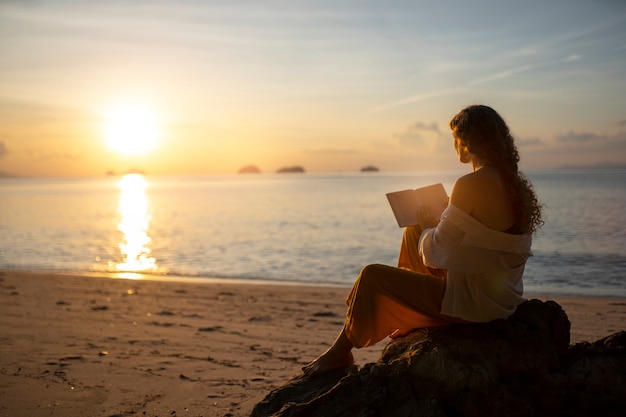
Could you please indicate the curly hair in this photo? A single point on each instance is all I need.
(485, 134)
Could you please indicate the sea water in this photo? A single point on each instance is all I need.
(297, 228)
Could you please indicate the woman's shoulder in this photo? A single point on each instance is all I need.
(474, 187)
(482, 195)
(484, 177)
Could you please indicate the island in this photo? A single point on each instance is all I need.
(369, 168)
(249, 169)
(293, 169)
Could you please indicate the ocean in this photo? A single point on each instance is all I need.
(297, 228)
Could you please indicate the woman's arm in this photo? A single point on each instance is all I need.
(425, 218)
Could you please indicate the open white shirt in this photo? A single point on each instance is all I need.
(485, 266)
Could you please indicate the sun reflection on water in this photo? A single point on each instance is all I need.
(134, 226)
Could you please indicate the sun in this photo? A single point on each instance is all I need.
(131, 130)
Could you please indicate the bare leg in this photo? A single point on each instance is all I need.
(338, 356)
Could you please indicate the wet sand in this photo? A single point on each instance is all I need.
(84, 346)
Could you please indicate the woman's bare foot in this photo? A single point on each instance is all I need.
(328, 361)
(338, 356)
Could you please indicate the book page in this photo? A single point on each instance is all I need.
(405, 203)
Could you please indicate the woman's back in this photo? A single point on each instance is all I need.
(482, 195)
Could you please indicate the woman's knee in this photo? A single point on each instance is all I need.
(373, 272)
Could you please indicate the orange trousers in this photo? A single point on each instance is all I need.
(385, 299)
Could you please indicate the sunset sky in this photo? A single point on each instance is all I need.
(328, 85)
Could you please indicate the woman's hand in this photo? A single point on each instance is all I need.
(425, 218)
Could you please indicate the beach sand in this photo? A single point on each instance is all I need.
(85, 346)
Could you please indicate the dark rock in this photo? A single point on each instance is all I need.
(249, 169)
(293, 169)
(523, 366)
(4, 174)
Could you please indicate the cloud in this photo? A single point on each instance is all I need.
(20, 112)
(585, 137)
(503, 74)
(528, 142)
(572, 137)
(586, 144)
(430, 137)
(53, 154)
(524, 68)
(621, 123)
(422, 135)
(500, 75)
(615, 135)
(416, 98)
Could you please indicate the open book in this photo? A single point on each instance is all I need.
(405, 203)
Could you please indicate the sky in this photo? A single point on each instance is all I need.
(327, 85)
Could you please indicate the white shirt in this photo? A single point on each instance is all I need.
(485, 266)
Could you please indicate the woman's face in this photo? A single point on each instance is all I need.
(457, 143)
(461, 150)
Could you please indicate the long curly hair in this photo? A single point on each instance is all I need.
(485, 134)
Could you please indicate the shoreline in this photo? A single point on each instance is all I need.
(75, 345)
(142, 276)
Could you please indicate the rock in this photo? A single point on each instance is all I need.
(523, 366)
(249, 169)
(293, 169)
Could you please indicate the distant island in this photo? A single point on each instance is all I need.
(296, 169)
(249, 169)
(370, 168)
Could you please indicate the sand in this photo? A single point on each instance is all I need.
(90, 346)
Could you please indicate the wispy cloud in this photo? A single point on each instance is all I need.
(585, 137)
(416, 98)
(593, 139)
(500, 75)
(548, 47)
(523, 68)
(53, 154)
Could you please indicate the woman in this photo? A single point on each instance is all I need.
(466, 267)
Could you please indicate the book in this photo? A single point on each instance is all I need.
(406, 203)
